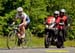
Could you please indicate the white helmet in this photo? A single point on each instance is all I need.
(63, 10)
(56, 12)
(19, 9)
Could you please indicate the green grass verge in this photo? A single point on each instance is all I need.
(35, 42)
(70, 43)
(3, 42)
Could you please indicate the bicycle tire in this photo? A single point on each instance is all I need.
(28, 39)
(11, 40)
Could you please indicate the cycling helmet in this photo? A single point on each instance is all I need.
(19, 9)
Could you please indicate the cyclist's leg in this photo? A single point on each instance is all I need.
(26, 27)
(22, 31)
(19, 39)
(19, 42)
(21, 34)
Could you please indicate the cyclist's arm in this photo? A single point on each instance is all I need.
(14, 20)
(24, 22)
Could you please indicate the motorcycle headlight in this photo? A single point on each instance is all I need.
(46, 26)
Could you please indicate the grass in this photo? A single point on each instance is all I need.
(35, 42)
(70, 43)
(3, 42)
(39, 42)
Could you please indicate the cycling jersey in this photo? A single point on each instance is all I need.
(24, 15)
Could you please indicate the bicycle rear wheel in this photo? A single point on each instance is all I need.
(27, 39)
(11, 40)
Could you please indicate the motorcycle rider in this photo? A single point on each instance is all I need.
(66, 20)
(56, 15)
(50, 24)
(62, 20)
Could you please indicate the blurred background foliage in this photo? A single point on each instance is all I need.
(37, 11)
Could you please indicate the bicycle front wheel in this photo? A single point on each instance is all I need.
(11, 40)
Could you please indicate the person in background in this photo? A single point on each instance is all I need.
(63, 19)
(67, 21)
(50, 25)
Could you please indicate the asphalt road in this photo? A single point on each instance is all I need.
(39, 50)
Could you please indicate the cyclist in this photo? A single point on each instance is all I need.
(25, 20)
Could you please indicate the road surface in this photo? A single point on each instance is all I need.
(39, 50)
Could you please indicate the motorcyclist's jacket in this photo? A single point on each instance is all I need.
(61, 21)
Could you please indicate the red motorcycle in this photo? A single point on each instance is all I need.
(50, 37)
